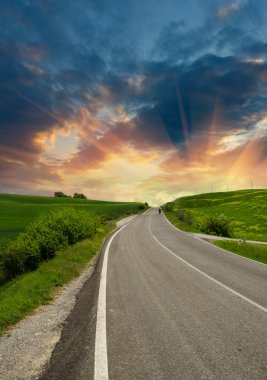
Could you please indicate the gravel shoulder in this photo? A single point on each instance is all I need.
(27, 347)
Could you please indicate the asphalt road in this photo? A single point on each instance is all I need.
(165, 305)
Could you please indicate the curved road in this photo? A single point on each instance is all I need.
(164, 305)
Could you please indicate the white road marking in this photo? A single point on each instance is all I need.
(177, 229)
(206, 275)
(101, 357)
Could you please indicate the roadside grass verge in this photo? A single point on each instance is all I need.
(256, 252)
(22, 295)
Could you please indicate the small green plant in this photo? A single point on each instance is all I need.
(215, 225)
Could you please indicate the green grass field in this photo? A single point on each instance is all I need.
(246, 208)
(17, 211)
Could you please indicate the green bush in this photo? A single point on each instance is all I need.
(74, 225)
(45, 236)
(48, 237)
(22, 255)
(215, 225)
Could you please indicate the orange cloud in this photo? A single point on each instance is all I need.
(108, 159)
(107, 163)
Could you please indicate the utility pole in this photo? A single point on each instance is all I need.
(251, 184)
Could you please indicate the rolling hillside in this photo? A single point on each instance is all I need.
(247, 210)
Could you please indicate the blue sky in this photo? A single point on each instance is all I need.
(132, 100)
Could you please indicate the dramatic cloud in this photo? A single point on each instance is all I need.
(130, 100)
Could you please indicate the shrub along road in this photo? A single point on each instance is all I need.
(169, 307)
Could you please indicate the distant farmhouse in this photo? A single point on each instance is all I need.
(59, 194)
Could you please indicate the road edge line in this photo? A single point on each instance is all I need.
(101, 358)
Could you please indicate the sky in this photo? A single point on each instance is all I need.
(133, 100)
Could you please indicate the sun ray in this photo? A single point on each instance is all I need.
(183, 119)
(248, 155)
(212, 138)
(44, 110)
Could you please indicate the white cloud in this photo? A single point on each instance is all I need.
(241, 137)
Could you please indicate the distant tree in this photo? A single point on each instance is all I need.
(79, 195)
(143, 207)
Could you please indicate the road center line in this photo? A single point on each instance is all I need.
(101, 357)
(262, 308)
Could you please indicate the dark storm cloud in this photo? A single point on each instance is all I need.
(257, 50)
(243, 25)
(55, 57)
(178, 102)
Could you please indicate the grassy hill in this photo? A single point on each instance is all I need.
(247, 210)
(17, 211)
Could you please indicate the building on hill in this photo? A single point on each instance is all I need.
(59, 194)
